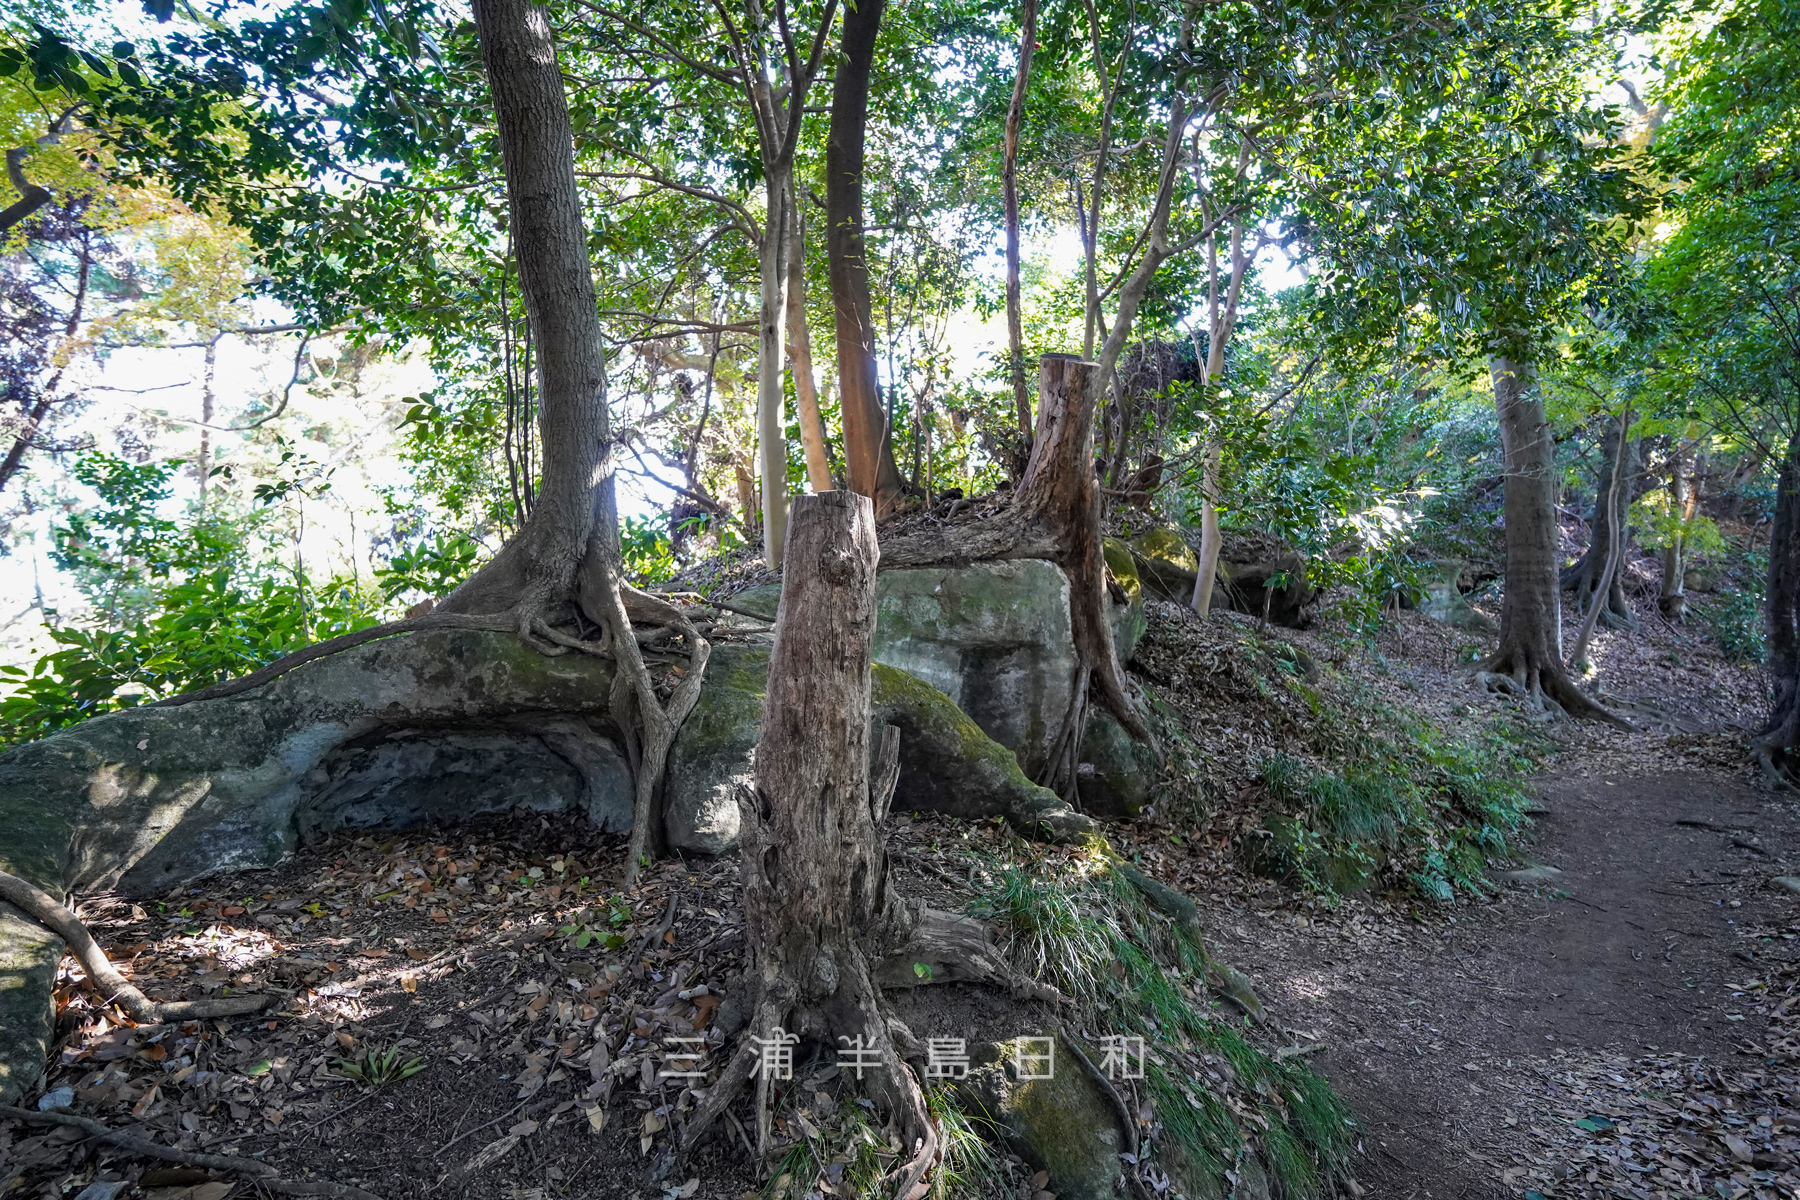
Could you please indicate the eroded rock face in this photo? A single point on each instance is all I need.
(992, 636)
(1063, 1125)
(1249, 562)
(947, 762)
(28, 957)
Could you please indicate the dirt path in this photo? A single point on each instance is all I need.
(1464, 1047)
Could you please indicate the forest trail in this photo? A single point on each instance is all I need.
(1469, 1050)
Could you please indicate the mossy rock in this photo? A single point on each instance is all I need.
(947, 762)
(1165, 562)
(1117, 776)
(1128, 620)
(1064, 1125)
(29, 954)
(993, 636)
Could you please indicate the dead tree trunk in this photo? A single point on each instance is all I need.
(1613, 495)
(1528, 661)
(819, 904)
(1776, 746)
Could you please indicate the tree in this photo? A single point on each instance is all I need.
(564, 562)
(1728, 276)
(868, 445)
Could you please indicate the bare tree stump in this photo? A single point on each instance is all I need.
(820, 908)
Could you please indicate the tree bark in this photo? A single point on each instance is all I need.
(806, 392)
(1671, 598)
(1058, 493)
(566, 556)
(868, 448)
(1009, 184)
(771, 423)
(1223, 322)
(820, 909)
(1776, 745)
(1613, 494)
(1528, 660)
(1617, 502)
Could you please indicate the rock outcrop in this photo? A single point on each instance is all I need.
(429, 728)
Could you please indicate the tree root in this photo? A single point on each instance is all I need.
(1127, 1121)
(1546, 694)
(262, 1173)
(105, 978)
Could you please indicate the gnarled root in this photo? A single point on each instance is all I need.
(853, 1017)
(103, 976)
(1545, 693)
(263, 1174)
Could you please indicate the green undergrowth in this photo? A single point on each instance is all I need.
(1085, 929)
(1400, 804)
(847, 1152)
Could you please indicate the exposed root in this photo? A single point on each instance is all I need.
(262, 1173)
(1545, 693)
(103, 976)
(1127, 1122)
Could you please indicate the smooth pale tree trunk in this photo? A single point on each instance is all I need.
(1616, 501)
(1223, 322)
(1671, 598)
(1614, 489)
(806, 393)
(1776, 745)
(203, 462)
(1528, 660)
(1009, 183)
(771, 400)
(868, 448)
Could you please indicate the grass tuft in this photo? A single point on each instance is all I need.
(1087, 930)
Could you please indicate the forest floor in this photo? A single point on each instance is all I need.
(1618, 1026)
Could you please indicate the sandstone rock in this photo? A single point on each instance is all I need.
(1064, 1126)
(1259, 573)
(1444, 601)
(993, 636)
(1117, 775)
(28, 957)
(947, 763)
(1247, 562)
(1166, 563)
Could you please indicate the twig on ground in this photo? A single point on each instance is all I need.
(105, 978)
(264, 1175)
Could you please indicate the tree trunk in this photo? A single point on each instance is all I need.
(820, 910)
(1059, 493)
(1009, 182)
(1528, 660)
(771, 422)
(806, 392)
(1613, 494)
(868, 450)
(1223, 322)
(203, 465)
(1617, 501)
(1776, 745)
(1684, 498)
(566, 556)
